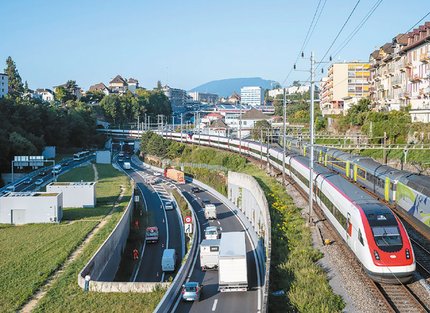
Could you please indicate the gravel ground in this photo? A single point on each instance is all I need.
(345, 279)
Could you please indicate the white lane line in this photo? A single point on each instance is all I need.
(167, 224)
(195, 257)
(215, 303)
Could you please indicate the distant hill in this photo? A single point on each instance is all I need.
(225, 87)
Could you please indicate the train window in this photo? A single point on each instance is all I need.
(361, 173)
(387, 237)
(360, 237)
(392, 187)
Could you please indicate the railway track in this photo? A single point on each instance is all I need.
(400, 298)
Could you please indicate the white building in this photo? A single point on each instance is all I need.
(45, 94)
(204, 97)
(133, 84)
(251, 117)
(75, 194)
(3, 85)
(31, 207)
(289, 90)
(252, 95)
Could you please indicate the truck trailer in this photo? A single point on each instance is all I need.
(209, 253)
(232, 268)
(174, 174)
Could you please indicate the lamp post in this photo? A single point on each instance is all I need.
(283, 136)
(311, 160)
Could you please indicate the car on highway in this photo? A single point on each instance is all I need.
(213, 232)
(151, 234)
(28, 181)
(195, 190)
(10, 188)
(191, 291)
(42, 173)
(168, 205)
(120, 159)
(156, 174)
(39, 182)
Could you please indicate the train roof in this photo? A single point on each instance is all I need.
(378, 169)
(359, 197)
(420, 183)
(342, 155)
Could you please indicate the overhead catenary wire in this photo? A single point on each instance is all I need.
(308, 35)
(357, 28)
(338, 34)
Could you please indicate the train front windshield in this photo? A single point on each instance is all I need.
(387, 238)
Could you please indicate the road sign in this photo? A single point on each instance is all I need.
(188, 228)
(136, 198)
(188, 219)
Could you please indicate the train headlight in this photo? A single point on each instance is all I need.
(408, 254)
(376, 254)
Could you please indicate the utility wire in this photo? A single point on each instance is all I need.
(307, 37)
(357, 29)
(338, 34)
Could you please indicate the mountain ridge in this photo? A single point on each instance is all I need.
(226, 87)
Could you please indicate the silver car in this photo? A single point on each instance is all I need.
(191, 291)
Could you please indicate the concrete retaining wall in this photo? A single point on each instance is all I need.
(103, 286)
(103, 266)
(245, 192)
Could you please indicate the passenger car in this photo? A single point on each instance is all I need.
(191, 291)
(195, 189)
(39, 181)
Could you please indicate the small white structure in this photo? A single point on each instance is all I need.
(103, 157)
(31, 207)
(75, 194)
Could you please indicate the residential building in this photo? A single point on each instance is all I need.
(77, 91)
(44, 94)
(218, 128)
(118, 84)
(345, 85)
(275, 92)
(252, 95)
(31, 207)
(100, 87)
(133, 84)
(249, 118)
(417, 68)
(177, 97)
(289, 90)
(204, 97)
(3, 85)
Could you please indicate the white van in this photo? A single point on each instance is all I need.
(56, 169)
(168, 261)
(210, 211)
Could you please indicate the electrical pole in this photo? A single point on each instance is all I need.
(311, 157)
(181, 127)
(283, 137)
(240, 128)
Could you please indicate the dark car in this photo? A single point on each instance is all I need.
(195, 189)
(42, 173)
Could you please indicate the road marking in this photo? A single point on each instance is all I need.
(215, 303)
(218, 222)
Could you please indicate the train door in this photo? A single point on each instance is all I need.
(347, 169)
(387, 189)
(348, 229)
(325, 160)
(355, 172)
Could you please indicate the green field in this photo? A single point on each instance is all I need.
(30, 253)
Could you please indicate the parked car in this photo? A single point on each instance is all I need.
(191, 291)
(39, 182)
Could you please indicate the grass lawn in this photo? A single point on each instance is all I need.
(30, 253)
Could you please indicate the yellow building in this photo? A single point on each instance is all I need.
(344, 86)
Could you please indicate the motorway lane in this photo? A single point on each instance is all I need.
(212, 300)
(169, 229)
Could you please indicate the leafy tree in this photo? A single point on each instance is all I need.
(15, 85)
(93, 96)
(61, 94)
(159, 85)
(296, 83)
(262, 126)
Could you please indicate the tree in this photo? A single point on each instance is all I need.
(60, 94)
(261, 127)
(15, 85)
(296, 83)
(159, 85)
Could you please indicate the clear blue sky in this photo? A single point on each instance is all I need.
(185, 43)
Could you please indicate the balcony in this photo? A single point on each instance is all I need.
(404, 95)
(408, 64)
(415, 78)
(425, 57)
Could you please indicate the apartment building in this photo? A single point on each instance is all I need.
(177, 97)
(417, 68)
(344, 86)
(204, 97)
(3, 85)
(252, 95)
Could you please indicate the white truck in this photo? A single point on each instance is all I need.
(126, 165)
(232, 268)
(210, 211)
(209, 252)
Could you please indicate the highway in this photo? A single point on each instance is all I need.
(212, 300)
(155, 196)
